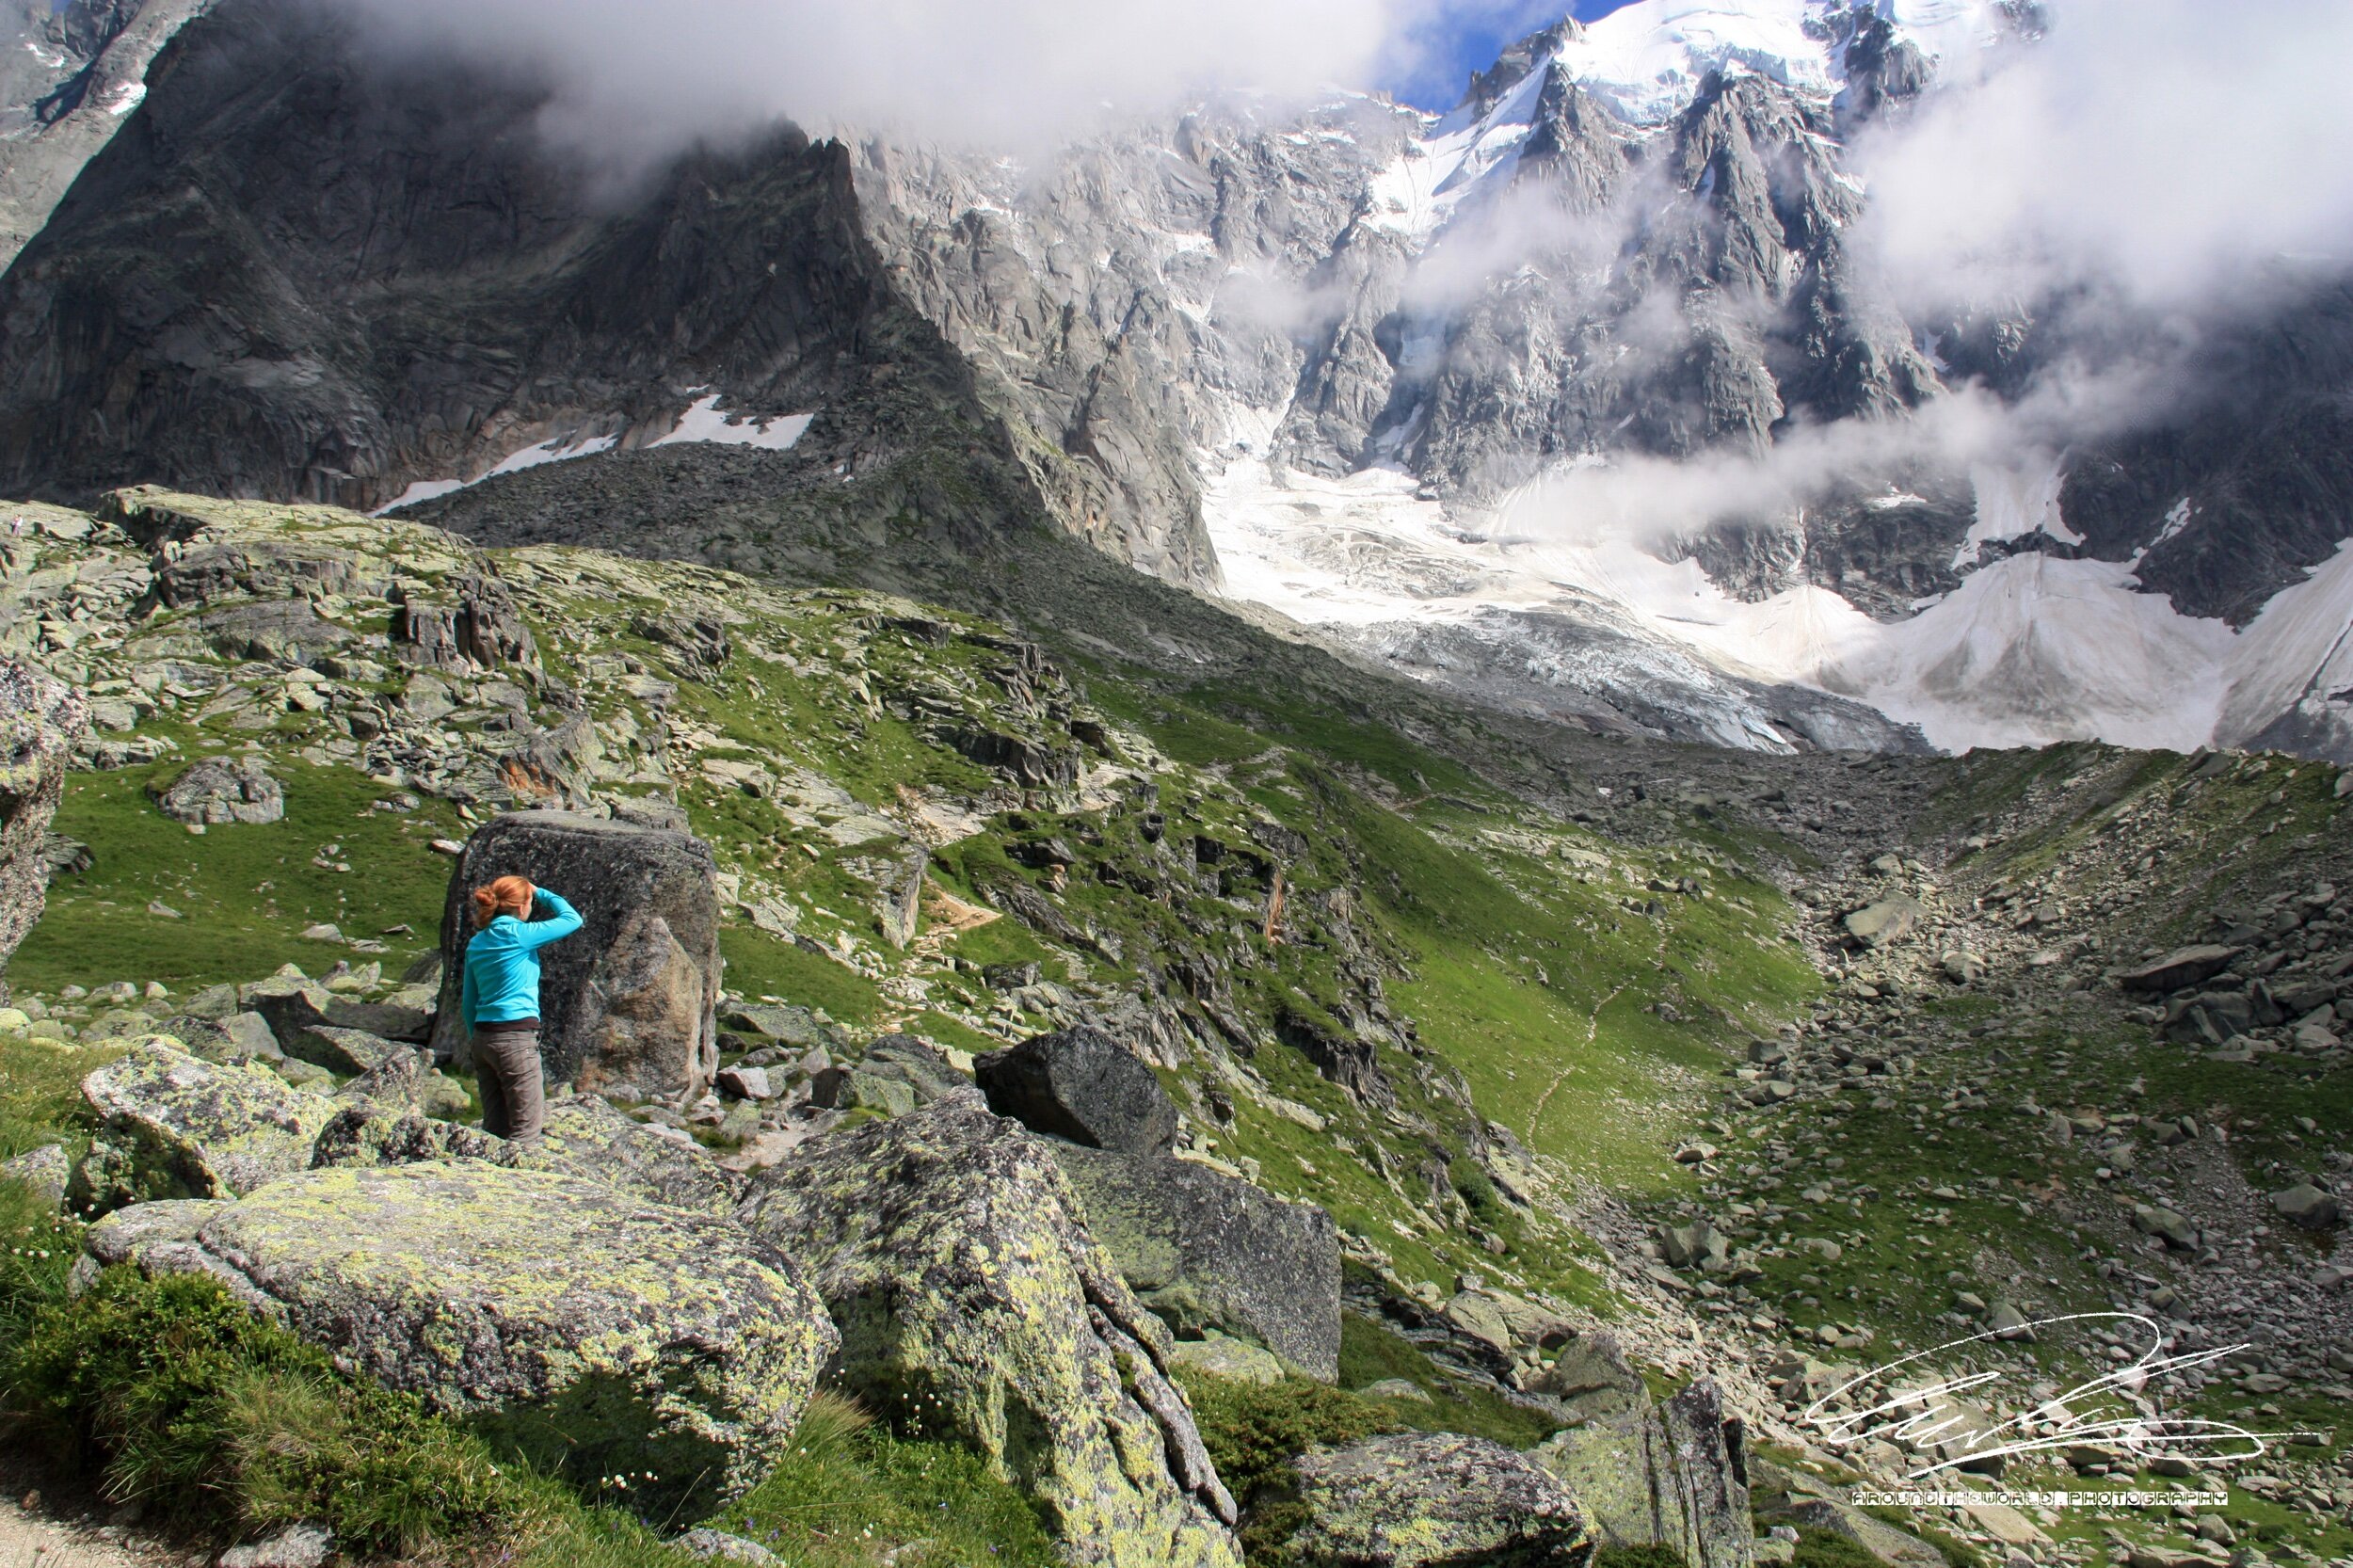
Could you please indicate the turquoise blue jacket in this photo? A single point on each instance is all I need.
(503, 962)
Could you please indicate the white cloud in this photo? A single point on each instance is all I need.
(2159, 145)
(632, 80)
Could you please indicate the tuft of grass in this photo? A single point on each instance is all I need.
(41, 1098)
(851, 1491)
(1827, 1549)
(170, 1393)
(1638, 1557)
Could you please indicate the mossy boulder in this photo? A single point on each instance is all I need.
(175, 1125)
(971, 1298)
(591, 1332)
(1672, 1474)
(1422, 1500)
(1208, 1250)
(587, 1137)
(40, 718)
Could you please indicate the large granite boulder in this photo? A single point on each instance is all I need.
(1208, 1250)
(175, 1125)
(221, 790)
(1672, 1474)
(582, 1328)
(40, 719)
(1081, 1085)
(628, 1003)
(951, 1253)
(292, 1005)
(585, 1138)
(1422, 1500)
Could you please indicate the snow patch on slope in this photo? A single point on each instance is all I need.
(560, 449)
(701, 421)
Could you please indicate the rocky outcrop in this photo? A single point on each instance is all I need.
(1425, 1500)
(1672, 1474)
(628, 1006)
(591, 1332)
(1208, 1250)
(40, 719)
(174, 1125)
(222, 789)
(952, 1254)
(1081, 1085)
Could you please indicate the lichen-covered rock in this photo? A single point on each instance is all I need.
(949, 1248)
(586, 1329)
(1081, 1085)
(174, 1125)
(1425, 1500)
(290, 1005)
(628, 1003)
(345, 1050)
(587, 1137)
(40, 718)
(1207, 1250)
(222, 789)
(1672, 1474)
(1594, 1377)
(370, 1133)
(45, 1171)
(235, 1037)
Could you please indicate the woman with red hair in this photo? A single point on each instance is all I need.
(501, 999)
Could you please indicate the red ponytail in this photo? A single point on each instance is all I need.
(508, 895)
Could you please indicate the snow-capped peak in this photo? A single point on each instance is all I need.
(1648, 59)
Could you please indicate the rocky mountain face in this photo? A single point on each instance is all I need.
(1354, 363)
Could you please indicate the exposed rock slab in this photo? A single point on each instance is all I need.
(2182, 967)
(174, 1125)
(588, 1329)
(222, 789)
(1207, 1250)
(950, 1250)
(1671, 1475)
(1431, 1500)
(40, 718)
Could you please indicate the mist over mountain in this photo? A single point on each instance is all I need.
(1833, 374)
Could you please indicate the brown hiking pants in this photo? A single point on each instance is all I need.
(514, 1096)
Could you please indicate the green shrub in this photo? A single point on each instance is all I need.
(169, 1391)
(1826, 1549)
(1253, 1428)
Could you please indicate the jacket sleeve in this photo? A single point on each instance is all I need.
(465, 990)
(564, 921)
